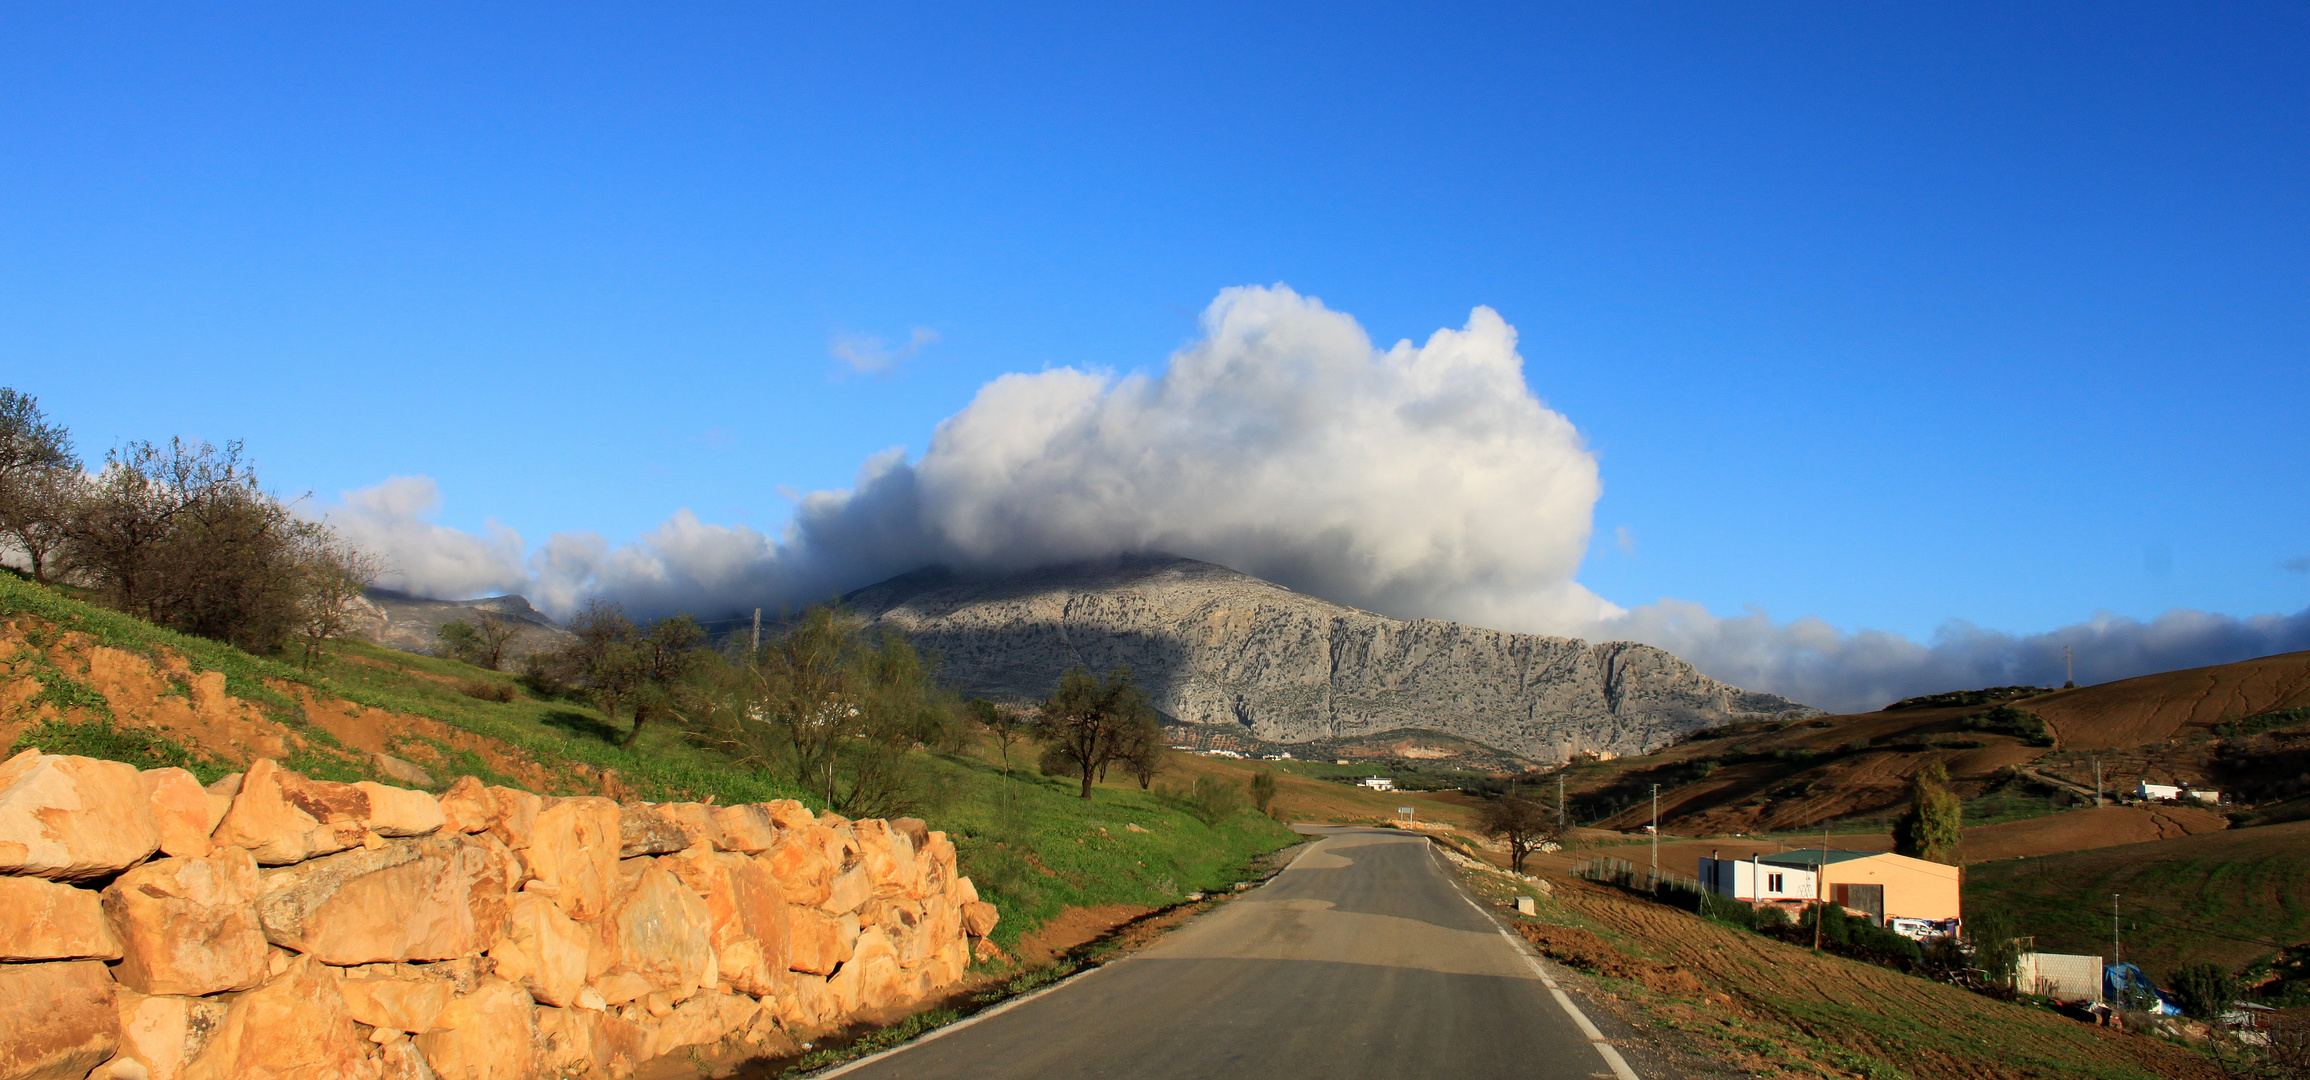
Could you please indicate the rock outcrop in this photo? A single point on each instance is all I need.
(1213, 646)
(300, 928)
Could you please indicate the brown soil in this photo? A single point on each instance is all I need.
(2080, 830)
(1073, 926)
(164, 694)
(2153, 708)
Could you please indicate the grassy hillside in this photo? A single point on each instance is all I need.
(1033, 847)
(1745, 1002)
(2226, 897)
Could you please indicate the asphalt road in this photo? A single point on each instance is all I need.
(1363, 959)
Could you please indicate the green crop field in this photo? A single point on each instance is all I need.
(2229, 897)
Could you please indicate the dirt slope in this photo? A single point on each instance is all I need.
(2153, 708)
(165, 695)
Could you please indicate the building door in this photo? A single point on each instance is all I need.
(1869, 898)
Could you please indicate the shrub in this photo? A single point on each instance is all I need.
(1210, 801)
(2007, 720)
(485, 690)
(2257, 724)
(2205, 991)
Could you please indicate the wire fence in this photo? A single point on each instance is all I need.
(1628, 875)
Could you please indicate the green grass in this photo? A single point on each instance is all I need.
(1032, 846)
(100, 738)
(1029, 843)
(2228, 897)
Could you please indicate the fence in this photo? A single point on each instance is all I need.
(1628, 875)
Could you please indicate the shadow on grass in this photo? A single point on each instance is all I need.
(583, 726)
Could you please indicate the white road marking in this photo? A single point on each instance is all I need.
(1604, 1047)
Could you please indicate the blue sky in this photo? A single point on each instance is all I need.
(1886, 315)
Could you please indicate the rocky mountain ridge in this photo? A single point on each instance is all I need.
(1213, 646)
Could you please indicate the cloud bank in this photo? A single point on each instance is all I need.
(1419, 480)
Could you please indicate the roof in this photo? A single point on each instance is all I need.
(1813, 857)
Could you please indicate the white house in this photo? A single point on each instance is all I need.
(1748, 879)
(2149, 792)
(1378, 783)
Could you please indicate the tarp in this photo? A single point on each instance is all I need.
(2127, 988)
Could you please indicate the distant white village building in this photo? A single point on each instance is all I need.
(2149, 792)
(1378, 783)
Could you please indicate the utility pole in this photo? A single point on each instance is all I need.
(1563, 820)
(2068, 670)
(1656, 836)
(2116, 955)
(1821, 888)
(757, 629)
(2097, 783)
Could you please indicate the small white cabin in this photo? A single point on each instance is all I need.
(1378, 783)
(1744, 879)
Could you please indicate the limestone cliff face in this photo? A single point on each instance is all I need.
(1213, 646)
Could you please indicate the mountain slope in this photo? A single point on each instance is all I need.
(1213, 646)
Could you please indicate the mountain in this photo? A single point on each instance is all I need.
(1213, 646)
(398, 620)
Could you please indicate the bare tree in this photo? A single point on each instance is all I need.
(36, 467)
(1006, 726)
(482, 642)
(607, 655)
(1090, 721)
(334, 575)
(1523, 824)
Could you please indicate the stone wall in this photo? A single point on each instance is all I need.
(271, 925)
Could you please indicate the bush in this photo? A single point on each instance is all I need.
(2205, 991)
(2007, 720)
(1769, 917)
(1210, 801)
(2269, 721)
(486, 690)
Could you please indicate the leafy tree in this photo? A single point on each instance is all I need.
(1521, 823)
(457, 638)
(1262, 789)
(1090, 722)
(1934, 823)
(1993, 944)
(607, 656)
(184, 536)
(838, 706)
(666, 655)
(482, 642)
(2205, 991)
(37, 471)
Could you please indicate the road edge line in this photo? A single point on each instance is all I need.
(944, 1030)
(1604, 1047)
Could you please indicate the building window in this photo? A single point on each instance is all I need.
(1772, 883)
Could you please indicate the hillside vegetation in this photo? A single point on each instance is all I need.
(82, 679)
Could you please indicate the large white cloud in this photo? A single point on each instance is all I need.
(394, 520)
(1418, 481)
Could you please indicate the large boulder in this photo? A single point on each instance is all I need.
(489, 1034)
(467, 806)
(978, 918)
(396, 1002)
(189, 926)
(57, 1021)
(887, 854)
(573, 850)
(400, 812)
(181, 810)
(49, 920)
(820, 942)
(850, 890)
(283, 818)
(516, 816)
(800, 864)
(647, 829)
(542, 949)
(589, 1042)
(747, 906)
(292, 1028)
(703, 1020)
(746, 828)
(72, 818)
(406, 900)
(164, 1033)
(664, 933)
